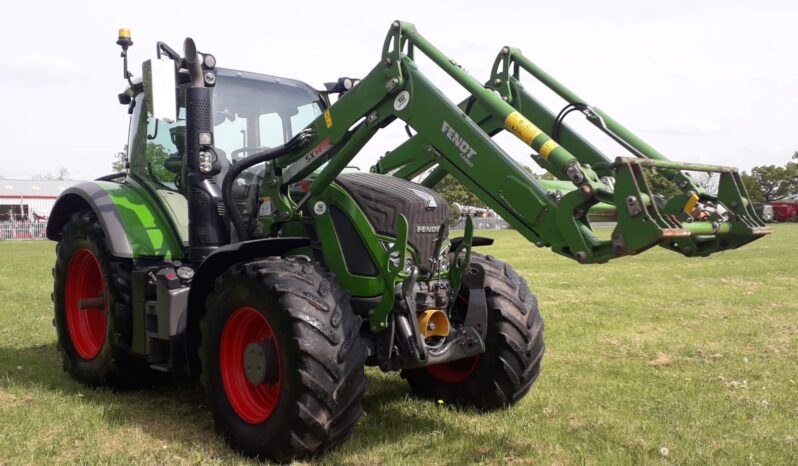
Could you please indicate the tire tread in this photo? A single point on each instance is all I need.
(514, 346)
(329, 360)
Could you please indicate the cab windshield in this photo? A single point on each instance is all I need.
(255, 112)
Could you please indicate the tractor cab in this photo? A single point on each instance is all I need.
(251, 112)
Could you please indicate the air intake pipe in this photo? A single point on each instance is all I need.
(207, 228)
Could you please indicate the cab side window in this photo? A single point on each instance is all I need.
(155, 148)
(164, 149)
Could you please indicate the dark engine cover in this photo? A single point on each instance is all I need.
(384, 197)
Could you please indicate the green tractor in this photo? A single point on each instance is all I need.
(237, 247)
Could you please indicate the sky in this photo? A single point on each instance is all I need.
(702, 81)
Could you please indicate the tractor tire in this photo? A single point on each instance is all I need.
(95, 340)
(311, 400)
(514, 348)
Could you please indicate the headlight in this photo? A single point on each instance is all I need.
(443, 263)
(205, 161)
(455, 214)
(408, 266)
(443, 256)
(395, 259)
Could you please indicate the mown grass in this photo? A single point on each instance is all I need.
(696, 356)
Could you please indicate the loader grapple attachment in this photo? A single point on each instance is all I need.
(692, 224)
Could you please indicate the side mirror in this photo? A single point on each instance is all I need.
(160, 85)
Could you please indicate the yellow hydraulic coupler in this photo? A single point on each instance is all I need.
(433, 323)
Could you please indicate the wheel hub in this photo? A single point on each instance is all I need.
(248, 340)
(260, 362)
(86, 301)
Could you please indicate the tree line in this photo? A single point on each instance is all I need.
(767, 183)
(764, 183)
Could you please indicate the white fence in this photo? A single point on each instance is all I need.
(10, 230)
(20, 230)
(490, 223)
(497, 223)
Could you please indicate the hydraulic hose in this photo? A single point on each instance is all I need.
(558, 122)
(240, 166)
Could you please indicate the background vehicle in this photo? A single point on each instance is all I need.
(765, 212)
(235, 247)
(785, 210)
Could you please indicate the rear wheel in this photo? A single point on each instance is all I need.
(85, 300)
(91, 297)
(505, 372)
(282, 359)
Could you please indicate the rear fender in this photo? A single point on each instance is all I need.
(134, 225)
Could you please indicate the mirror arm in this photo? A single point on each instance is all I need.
(161, 47)
(169, 51)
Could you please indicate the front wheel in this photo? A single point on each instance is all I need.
(282, 359)
(505, 372)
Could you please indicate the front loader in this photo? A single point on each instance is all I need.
(237, 247)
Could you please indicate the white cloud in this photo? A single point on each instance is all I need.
(38, 68)
(695, 79)
(684, 126)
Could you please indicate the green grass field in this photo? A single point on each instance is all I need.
(696, 356)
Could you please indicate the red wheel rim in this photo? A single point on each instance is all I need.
(455, 371)
(86, 320)
(253, 403)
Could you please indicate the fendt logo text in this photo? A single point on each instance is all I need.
(428, 228)
(466, 152)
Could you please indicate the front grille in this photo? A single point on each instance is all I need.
(384, 197)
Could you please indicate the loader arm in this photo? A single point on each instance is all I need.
(459, 141)
(731, 222)
(739, 227)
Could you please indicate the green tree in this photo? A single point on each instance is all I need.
(119, 162)
(768, 183)
(453, 191)
(60, 174)
(660, 184)
(156, 158)
(752, 186)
